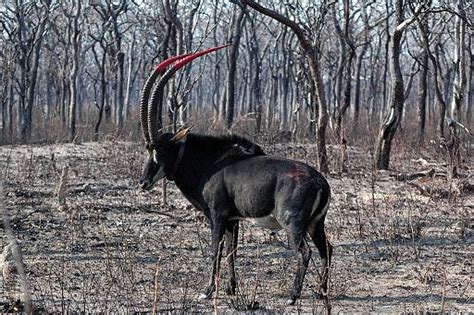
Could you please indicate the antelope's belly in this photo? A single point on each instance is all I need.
(268, 222)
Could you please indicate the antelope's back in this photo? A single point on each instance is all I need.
(262, 184)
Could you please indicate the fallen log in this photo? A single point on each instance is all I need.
(415, 175)
(457, 188)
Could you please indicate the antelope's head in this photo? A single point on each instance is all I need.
(164, 149)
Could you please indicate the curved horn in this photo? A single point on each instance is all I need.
(159, 70)
(181, 63)
(157, 94)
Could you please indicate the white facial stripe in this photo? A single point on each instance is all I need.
(155, 157)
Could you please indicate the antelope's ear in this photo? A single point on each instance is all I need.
(181, 135)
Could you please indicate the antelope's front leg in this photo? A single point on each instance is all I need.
(218, 230)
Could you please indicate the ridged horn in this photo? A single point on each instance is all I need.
(157, 94)
(145, 95)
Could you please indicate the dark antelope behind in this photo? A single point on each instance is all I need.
(230, 179)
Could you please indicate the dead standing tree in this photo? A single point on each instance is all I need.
(7, 74)
(179, 39)
(176, 47)
(365, 34)
(100, 59)
(344, 79)
(190, 24)
(110, 12)
(311, 52)
(28, 22)
(459, 89)
(255, 55)
(424, 32)
(235, 34)
(75, 42)
(422, 85)
(392, 120)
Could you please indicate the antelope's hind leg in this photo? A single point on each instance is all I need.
(303, 255)
(318, 235)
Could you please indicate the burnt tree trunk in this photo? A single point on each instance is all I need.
(392, 120)
(119, 57)
(358, 73)
(345, 65)
(256, 87)
(231, 74)
(30, 38)
(75, 45)
(103, 89)
(422, 87)
(27, 118)
(459, 87)
(177, 48)
(470, 96)
(4, 83)
(436, 77)
(422, 98)
(390, 125)
(460, 79)
(184, 105)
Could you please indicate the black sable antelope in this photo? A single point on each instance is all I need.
(231, 179)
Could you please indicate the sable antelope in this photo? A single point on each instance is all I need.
(231, 179)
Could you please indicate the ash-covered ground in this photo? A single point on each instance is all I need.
(93, 242)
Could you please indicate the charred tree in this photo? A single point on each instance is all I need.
(359, 69)
(392, 120)
(75, 38)
(344, 84)
(110, 11)
(233, 54)
(459, 89)
(29, 23)
(460, 60)
(256, 85)
(176, 47)
(422, 82)
(470, 97)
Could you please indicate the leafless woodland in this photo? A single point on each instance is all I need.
(377, 95)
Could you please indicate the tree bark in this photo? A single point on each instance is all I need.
(422, 87)
(73, 77)
(360, 60)
(392, 120)
(459, 87)
(470, 97)
(460, 79)
(231, 74)
(256, 84)
(345, 65)
(177, 47)
(30, 39)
